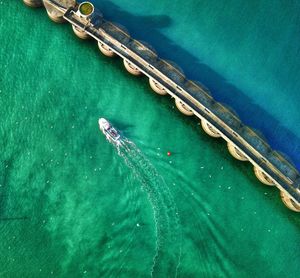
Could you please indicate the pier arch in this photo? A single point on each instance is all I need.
(157, 87)
(263, 177)
(290, 203)
(56, 17)
(106, 50)
(236, 152)
(131, 68)
(56, 14)
(210, 129)
(183, 108)
(80, 33)
(33, 3)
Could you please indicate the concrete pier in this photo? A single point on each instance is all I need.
(290, 203)
(54, 14)
(236, 152)
(209, 129)
(55, 17)
(263, 177)
(157, 88)
(56, 9)
(106, 50)
(131, 68)
(191, 98)
(183, 108)
(80, 33)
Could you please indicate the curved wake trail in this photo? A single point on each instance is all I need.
(166, 260)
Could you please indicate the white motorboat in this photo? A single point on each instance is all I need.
(109, 131)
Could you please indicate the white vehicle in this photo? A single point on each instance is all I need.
(110, 132)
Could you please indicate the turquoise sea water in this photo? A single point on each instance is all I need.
(72, 206)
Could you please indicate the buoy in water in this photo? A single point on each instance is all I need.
(169, 153)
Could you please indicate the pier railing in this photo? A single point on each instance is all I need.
(192, 98)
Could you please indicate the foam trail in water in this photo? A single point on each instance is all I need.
(168, 232)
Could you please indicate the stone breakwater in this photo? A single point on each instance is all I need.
(271, 167)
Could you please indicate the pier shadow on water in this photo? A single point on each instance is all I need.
(149, 29)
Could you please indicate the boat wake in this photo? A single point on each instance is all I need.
(167, 257)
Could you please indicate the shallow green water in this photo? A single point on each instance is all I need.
(70, 205)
